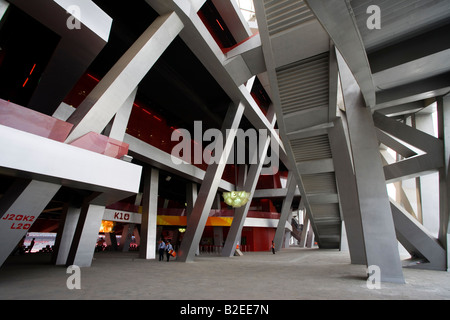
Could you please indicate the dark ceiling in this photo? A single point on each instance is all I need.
(178, 87)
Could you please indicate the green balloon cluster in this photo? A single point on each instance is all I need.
(236, 199)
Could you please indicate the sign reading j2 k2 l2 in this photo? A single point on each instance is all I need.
(19, 221)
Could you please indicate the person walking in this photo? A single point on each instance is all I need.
(169, 249)
(273, 247)
(161, 249)
(30, 247)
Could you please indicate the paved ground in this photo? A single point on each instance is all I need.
(288, 275)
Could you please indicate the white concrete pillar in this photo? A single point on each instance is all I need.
(218, 236)
(84, 241)
(66, 234)
(147, 248)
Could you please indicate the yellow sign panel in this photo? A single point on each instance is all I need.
(182, 221)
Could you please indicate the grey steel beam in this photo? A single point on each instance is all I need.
(118, 125)
(415, 238)
(376, 217)
(241, 213)
(162, 160)
(254, 114)
(419, 90)
(443, 106)
(348, 193)
(414, 166)
(147, 248)
(246, 60)
(248, 181)
(316, 166)
(333, 85)
(273, 193)
(338, 20)
(403, 109)
(410, 72)
(208, 189)
(410, 135)
(100, 106)
(199, 40)
(411, 49)
(394, 144)
(286, 211)
(191, 197)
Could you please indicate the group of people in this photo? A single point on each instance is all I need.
(165, 247)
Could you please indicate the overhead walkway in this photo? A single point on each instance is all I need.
(306, 101)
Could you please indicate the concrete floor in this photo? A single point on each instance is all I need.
(292, 274)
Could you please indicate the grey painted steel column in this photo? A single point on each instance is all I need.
(197, 220)
(66, 233)
(111, 92)
(377, 223)
(415, 238)
(20, 207)
(241, 213)
(191, 197)
(285, 212)
(348, 193)
(443, 105)
(147, 249)
(83, 244)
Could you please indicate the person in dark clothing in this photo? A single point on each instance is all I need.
(31, 245)
(161, 249)
(169, 250)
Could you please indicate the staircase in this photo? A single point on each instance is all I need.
(296, 230)
(303, 77)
